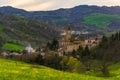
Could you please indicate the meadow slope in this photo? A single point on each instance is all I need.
(13, 70)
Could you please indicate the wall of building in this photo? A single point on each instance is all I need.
(70, 48)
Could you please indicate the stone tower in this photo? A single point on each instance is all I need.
(67, 34)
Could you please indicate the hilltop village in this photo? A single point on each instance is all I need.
(68, 42)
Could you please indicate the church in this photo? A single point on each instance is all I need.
(68, 43)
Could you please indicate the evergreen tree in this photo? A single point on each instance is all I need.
(112, 38)
(80, 51)
(86, 51)
(74, 54)
(104, 39)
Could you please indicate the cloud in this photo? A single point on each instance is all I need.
(42, 6)
(19, 3)
(54, 4)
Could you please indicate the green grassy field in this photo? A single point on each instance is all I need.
(100, 20)
(14, 47)
(13, 70)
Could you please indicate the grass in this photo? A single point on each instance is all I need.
(13, 70)
(115, 70)
(12, 47)
(100, 20)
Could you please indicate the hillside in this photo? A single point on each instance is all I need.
(74, 16)
(13, 70)
(21, 31)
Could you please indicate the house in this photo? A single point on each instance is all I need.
(4, 54)
(91, 42)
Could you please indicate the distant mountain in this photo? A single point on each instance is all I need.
(19, 30)
(12, 10)
(77, 16)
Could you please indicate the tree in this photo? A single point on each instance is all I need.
(107, 53)
(103, 59)
(74, 65)
(104, 39)
(64, 62)
(54, 45)
(80, 51)
(52, 60)
(48, 46)
(74, 54)
(85, 54)
(2, 41)
(39, 59)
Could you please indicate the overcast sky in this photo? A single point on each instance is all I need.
(33, 5)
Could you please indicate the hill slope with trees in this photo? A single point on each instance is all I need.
(22, 31)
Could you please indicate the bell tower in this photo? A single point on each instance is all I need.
(68, 33)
